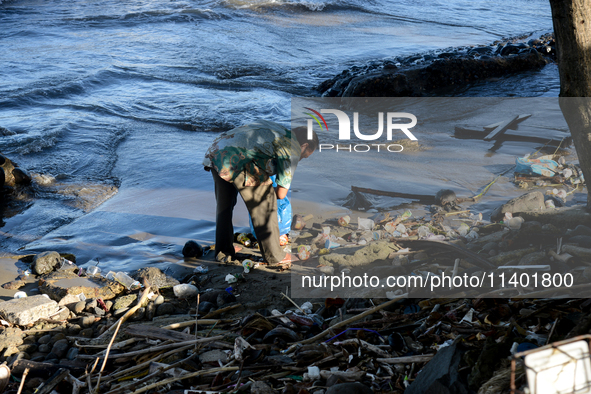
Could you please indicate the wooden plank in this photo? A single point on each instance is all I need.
(425, 199)
(145, 331)
(519, 119)
(500, 129)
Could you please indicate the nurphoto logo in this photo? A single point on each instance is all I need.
(394, 123)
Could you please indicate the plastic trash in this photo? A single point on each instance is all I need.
(248, 265)
(544, 167)
(365, 224)
(515, 223)
(304, 252)
(423, 231)
(472, 235)
(344, 220)
(464, 229)
(93, 270)
(126, 280)
(313, 373)
(401, 228)
(549, 204)
(329, 244)
(200, 269)
(20, 294)
(284, 214)
(184, 290)
(231, 278)
(243, 239)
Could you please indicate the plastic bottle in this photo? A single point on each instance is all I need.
(126, 280)
(243, 239)
(248, 265)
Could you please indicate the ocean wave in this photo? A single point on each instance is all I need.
(309, 5)
(166, 15)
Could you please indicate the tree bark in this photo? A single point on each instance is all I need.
(572, 31)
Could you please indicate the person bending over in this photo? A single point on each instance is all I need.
(241, 161)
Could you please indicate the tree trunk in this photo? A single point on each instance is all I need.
(572, 31)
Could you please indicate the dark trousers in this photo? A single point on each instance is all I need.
(261, 202)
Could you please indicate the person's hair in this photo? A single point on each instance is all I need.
(301, 134)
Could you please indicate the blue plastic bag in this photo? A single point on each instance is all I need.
(541, 166)
(283, 214)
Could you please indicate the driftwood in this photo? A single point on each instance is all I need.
(423, 358)
(151, 332)
(53, 381)
(38, 369)
(153, 349)
(501, 128)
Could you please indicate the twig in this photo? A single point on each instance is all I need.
(186, 376)
(123, 318)
(353, 319)
(133, 385)
(205, 322)
(20, 388)
(76, 384)
(197, 318)
(158, 348)
(146, 363)
(296, 305)
(222, 310)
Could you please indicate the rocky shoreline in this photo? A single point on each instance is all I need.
(438, 72)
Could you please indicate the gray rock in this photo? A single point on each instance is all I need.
(165, 309)
(533, 259)
(159, 300)
(260, 387)
(490, 246)
(60, 348)
(109, 305)
(583, 241)
(29, 348)
(90, 305)
(150, 311)
(45, 348)
(155, 277)
(440, 375)
(533, 201)
(22, 311)
(87, 321)
(46, 262)
(579, 230)
(212, 357)
(79, 307)
(119, 312)
(138, 315)
(11, 337)
(86, 333)
(52, 358)
(57, 337)
(349, 388)
(98, 311)
(45, 339)
(125, 301)
(72, 353)
(73, 329)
